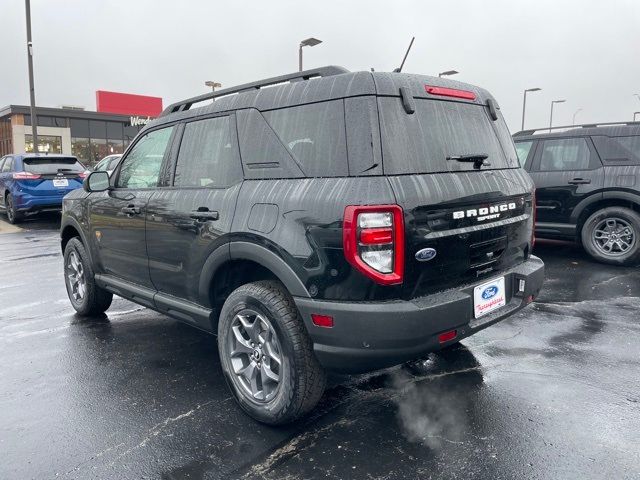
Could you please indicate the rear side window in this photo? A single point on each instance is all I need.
(565, 154)
(208, 155)
(631, 144)
(523, 149)
(618, 150)
(315, 136)
(422, 141)
(52, 166)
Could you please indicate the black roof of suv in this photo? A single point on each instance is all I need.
(319, 220)
(588, 186)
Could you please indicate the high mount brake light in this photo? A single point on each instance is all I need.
(450, 92)
(25, 176)
(373, 239)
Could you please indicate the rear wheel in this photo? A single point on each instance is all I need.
(612, 235)
(266, 354)
(12, 214)
(86, 297)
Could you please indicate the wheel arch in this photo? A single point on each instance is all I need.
(607, 199)
(237, 263)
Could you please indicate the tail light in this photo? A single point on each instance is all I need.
(25, 176)
(83, 174)
(373, 238)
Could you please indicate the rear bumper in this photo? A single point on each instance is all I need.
(371, 335)
(33, 203)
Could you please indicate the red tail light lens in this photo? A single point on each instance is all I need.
(25, 176)
(83, 174)
(373, 238)
(450, 92)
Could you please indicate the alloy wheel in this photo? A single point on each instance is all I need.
(256, 355)
(9, 208)
(75, 277)
(614, 237)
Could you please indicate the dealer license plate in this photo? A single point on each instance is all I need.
(489, 297)
(60, 182)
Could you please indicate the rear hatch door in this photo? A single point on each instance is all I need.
(51, 176)
(464, 220)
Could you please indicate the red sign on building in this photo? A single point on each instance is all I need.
(128, 104)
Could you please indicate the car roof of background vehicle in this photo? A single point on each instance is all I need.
(310, 86)
(615, 129)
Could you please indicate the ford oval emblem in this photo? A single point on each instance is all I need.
(425, 254)
(490, 292)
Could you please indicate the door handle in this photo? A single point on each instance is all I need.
(203, 214)
(579, 181)
(130, 210)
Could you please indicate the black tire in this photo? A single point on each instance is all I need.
(94, 300)
(624, 226)
(301, 378)
(13, 216)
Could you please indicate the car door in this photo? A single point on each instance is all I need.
(188, 220)
(6, 180)
(566, 171)
(2, 182)
(118, 216)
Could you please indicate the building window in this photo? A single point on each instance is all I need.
(115, 146)
(79, 128)
(46, 144)
(47, 121)
(80, 149)
(98, 150)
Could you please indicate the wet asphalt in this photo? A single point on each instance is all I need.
(552, 393)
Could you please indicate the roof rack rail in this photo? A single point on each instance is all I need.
(531, 131)
(290, 77)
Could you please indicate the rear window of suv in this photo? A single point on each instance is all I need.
(51, 166)
(422, 141)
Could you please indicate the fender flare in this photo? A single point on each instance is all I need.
(610, 195)
(72, 222)
(256, 253)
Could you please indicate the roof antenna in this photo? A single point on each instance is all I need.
(399, 69)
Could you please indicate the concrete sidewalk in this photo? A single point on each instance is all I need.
(6, 227)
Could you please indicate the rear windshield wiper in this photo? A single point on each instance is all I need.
(478, 159)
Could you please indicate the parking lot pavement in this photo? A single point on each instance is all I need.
(553, 392)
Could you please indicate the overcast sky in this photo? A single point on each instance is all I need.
(587, 52)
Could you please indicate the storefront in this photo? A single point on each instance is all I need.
(88, 135)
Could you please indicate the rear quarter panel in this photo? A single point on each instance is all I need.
(301, 221)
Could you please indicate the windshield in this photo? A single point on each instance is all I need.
(51, 166)
(422, 142)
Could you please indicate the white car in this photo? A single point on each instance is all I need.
(108, 164)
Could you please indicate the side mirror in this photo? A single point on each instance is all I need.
(96, 182)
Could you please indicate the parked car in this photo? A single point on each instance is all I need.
(348, 223)
(108, 164)
(587, 187)
(32, 183)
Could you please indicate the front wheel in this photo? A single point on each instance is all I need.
(612, 235)
(85, 295)
(266, 354)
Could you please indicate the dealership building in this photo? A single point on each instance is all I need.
(88, 135)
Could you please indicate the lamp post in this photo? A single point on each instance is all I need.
(32, 90)
(309, 42)
(448, 73)
(573, 122)
(524, 102)
(553, 102)
(213, 85)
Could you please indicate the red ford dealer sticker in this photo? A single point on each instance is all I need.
(489, 297)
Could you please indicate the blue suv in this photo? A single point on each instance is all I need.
(31, 183)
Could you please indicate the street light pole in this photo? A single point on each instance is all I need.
(32, 91)
(524, 102)
(574, 116)
(448, 73)
(309, 42)
(213, 85)
(551, 115)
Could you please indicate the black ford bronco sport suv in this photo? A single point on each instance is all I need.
(587, 186)
(334, 220)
